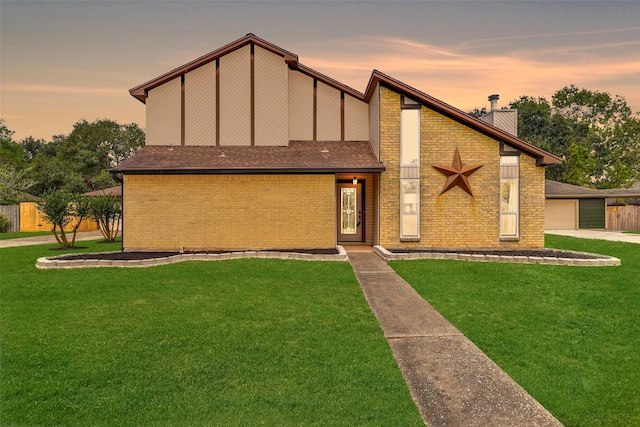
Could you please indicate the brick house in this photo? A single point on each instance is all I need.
(249, 149)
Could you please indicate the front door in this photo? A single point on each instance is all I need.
(350, 213)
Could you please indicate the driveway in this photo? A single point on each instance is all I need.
(41, 240)
(616, 236)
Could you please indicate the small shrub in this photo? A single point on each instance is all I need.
(4, 223)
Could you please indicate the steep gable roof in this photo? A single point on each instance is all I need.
(544, 158)
(140, 91)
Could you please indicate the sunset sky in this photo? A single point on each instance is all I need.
(66, 60)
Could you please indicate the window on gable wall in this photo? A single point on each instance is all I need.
(409, 160)
(509, 196)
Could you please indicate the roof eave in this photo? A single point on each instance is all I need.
(576, 196)
(259, 171)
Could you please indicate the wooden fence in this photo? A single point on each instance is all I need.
(31, 220)
(13, 212)
(623, 218)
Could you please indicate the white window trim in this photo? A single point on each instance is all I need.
(403, 133)
(402, 212)
(515, 213)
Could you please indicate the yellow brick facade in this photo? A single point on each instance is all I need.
(454, 219)
(199, 212)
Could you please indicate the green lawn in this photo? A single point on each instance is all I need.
(569, 335)
(238, 342)
(632, 232)
(18, 234)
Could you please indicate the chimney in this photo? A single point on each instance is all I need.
(494, 101)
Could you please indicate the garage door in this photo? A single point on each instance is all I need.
(561, 214)
(592, 213)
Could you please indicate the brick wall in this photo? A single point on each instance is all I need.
(164, 212)
(454, 219)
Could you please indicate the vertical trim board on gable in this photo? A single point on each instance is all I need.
(374, 121)
(164, 114)
(235, 97)
(300, 106)
(271, 101)
(356, 119)
(328, 115)
(200, 106)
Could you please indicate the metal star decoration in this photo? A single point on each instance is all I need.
(457, 174)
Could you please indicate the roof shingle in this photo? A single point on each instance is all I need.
(297, 157)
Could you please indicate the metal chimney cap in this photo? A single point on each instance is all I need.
(495, 96)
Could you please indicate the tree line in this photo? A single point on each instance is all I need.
(59, 171)
(76, 163)
(597, 135)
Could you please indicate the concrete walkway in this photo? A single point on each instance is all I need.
(616, 236)
(41, 240)
(452, 382)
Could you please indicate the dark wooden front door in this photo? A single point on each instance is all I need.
(349, 213)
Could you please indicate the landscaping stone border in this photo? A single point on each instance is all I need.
(602, 261)
(46, 263)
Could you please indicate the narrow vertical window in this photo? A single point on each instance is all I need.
(409, 169)
(410, 137)
(410, 208)
(509, 196)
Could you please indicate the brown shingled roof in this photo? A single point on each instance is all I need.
(561, 190)
(111, 191)
(555, 190)
(297, 157)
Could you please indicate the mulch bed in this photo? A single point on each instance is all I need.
(528, 252)
(138, 256)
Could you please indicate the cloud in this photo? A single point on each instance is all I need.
(72, 90)
(464, 75)
(483, 42)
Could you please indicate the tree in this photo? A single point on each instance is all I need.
(13, 184)
(478, 112)
(106, 211)
(10, 152)
(597, 135)
(62, 208)
(80, 162)
(612, 133)
(31, 147)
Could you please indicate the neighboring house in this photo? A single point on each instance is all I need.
(111, 191)
(249, 149)
(572, 207)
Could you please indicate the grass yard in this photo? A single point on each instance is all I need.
(569, 335)
(238, 342)
(20, 234)
(632, 232)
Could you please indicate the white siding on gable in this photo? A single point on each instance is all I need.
(374, 121)
(328, 113)
(235, 97)
(164, 110)
(356, 119)
(300, 106)
(200, 106)
(270, 83)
